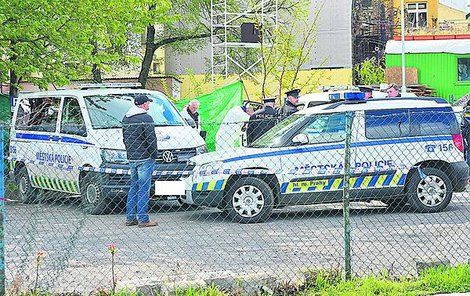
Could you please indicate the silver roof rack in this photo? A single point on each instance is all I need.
(109, 85)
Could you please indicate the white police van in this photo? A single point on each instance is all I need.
(403, 150)
(71, 141)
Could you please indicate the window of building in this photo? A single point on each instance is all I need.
(38, 114)
(463, 69)
(72, 120)
(417, 14)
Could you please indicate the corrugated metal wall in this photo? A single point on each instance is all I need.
(438, 70)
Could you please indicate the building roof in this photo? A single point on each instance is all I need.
(456, 4)
(456, 46)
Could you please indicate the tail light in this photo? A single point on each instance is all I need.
(458, 142)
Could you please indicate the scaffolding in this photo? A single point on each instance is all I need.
(229, 55)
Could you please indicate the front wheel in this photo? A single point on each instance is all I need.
(92, 197)
(249, 200)
(27, 193)
(429, 191)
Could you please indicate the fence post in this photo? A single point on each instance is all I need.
(346, 187)
(2, 216)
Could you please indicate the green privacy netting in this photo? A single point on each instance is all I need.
(214, 106)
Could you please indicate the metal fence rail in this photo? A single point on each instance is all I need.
(356, 192)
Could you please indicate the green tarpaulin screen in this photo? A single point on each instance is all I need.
(5, 114)
(213, 108)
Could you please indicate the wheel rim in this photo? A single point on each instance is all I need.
(23, 184)
(431, 191)
(248, 201)
(91, 194)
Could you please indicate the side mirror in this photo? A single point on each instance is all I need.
(300, 139)
(203, 134)
(190, 121)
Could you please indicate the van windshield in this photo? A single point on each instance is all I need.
(107, 111)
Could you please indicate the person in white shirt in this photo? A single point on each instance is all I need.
(229, 134)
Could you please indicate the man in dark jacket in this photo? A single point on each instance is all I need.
(290, 105)
(141, 145)
(261, 121)
(466, 131)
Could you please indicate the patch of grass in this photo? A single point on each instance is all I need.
(432, 281)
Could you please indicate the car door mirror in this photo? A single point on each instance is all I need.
(191, 122)
(300, 139)
(203, 134)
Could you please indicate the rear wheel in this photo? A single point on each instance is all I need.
(93, 200)
(249, 200)
(430, 191)
(27, 193)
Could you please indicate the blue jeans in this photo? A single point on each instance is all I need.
(139, 192)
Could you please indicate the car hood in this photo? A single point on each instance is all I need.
(230, 156)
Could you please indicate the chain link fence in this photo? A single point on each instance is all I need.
(339, 189)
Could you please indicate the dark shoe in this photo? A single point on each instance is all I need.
(148, 224)
(132, 223)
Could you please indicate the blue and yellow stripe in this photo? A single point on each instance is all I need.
(393, 179)
(214, 185)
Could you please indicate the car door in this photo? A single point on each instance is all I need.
(382, 153)
(314, 173)
(70, 145)
(36, 123)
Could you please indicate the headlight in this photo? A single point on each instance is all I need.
(201, 149)
(114, 156)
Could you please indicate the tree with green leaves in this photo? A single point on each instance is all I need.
(370, 72)
(56, 41)
(286, 49)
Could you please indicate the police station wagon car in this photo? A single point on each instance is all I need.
(404, 150)
(71, 141)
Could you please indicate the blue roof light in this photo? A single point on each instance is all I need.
(334, 97)
(354, 97)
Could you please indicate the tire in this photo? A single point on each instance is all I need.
(27, 193)
(431, 194)
(93, 200)
(241, 200)
(186, 206)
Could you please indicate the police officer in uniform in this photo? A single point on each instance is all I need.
(261, 121)
(290, 105)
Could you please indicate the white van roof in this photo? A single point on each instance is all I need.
(88, 92)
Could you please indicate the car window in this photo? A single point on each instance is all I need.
(396, 123)
(273, 138)
(433, 121)
(38, 114)
(72, 119)
(383, 124)
(325, 128)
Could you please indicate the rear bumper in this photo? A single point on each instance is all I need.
(459, 175)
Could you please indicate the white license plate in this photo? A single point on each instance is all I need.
(169, 188)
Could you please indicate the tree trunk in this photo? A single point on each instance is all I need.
(95, 70)
(148, 56)
(14, 80)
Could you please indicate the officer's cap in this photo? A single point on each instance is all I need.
(269, 100)
(140, 99)
(365, 88)
(294, 93)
